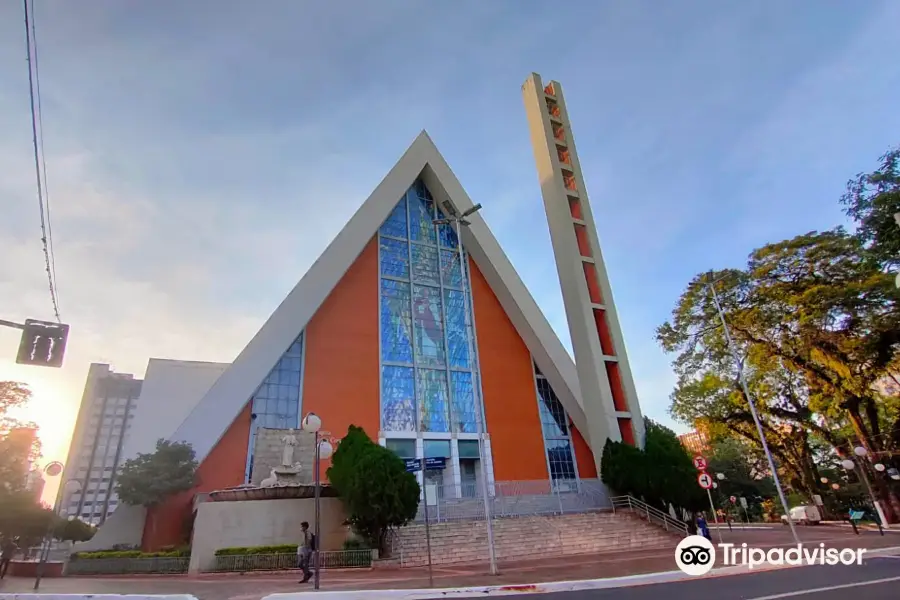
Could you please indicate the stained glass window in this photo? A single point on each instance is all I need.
(394, 258)
(451, 275)
(421, 220)
(457, 336)
(276, 403)
(555, 428)
(425, 264)
(434, 409)
(429, 327)
(447, 235)
(398, 399)
(422, 317)
(464, 413)
(396, 322)
(395, 224)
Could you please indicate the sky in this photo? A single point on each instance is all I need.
(200, 156)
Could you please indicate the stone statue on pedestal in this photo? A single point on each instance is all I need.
(288, 472)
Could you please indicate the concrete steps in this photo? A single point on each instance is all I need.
(529, 537)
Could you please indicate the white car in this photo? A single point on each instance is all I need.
(805, 515)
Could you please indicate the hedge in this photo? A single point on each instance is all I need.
(100, 554)
(244, 550)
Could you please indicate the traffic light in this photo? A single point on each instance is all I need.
(43, 343)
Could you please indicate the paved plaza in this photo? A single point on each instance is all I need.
(255, 585)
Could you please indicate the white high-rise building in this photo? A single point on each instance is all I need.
(104, 420)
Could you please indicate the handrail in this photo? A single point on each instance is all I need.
(651, 512)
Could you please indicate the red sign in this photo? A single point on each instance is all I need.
(733, 499)
(700, 463)
(705, 481)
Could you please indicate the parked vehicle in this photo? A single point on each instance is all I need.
(805, 515)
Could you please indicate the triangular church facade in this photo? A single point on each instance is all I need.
(432, 343)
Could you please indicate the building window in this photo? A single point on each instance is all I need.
(428, 381)
(276, 403)
(556, 433)
(402, 448)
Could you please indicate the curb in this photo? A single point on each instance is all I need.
(34, 596)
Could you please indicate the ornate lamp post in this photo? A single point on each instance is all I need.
(850, 465)
(323, 449)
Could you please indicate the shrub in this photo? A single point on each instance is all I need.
(355, 544)
(242, 550)
(106, 554)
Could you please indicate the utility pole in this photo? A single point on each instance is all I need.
(762, 438)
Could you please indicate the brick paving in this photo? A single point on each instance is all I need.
(254, 586)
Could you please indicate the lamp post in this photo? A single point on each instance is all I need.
(850, 465)
(460, 220)
(762, 438)
(53, 469)
(312, 424)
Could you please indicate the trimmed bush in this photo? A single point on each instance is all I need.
(106, 554)
(242, 550)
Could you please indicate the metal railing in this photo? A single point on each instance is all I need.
(339, 559)
(463, 501)
(128, 566)
(651, 514)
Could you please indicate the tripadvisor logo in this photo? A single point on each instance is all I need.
(696, 555)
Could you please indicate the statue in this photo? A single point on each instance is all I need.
(287, 456)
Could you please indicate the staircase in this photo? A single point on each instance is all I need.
(622, 528)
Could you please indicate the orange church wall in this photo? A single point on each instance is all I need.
(507, 381)
(587, 469)
(223, 467)
(341, 377)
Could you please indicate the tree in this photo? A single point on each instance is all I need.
(19, 443)
(73, 530)
(872, 200)
(21, 515)
(148, 479)
(660, 474)
(375, 488)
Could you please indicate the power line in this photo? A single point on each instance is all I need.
(40, 169)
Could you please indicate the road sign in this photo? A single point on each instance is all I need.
(414, 465)
(705, 480)
(43, 343)
(733, 499)
(700, 463)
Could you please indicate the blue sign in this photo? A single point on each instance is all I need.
(414, 465)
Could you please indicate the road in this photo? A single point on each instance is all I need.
(875, 579)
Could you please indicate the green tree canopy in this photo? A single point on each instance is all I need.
(660, 474)
(377, 491)
(148, 479)
(16, 449)
(872, 200)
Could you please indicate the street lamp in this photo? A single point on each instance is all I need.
(720, 476)
(460, 220)
(850, 465)
(53, 469)
(312, 424)
(762, 437)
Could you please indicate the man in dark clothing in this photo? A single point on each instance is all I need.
(8, 549)
(304, 551)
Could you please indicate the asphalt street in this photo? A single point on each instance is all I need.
(875, 579)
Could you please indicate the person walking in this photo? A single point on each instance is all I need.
(703, 527)
(305, 550)
(8, 549)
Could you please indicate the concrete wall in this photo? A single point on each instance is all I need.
(171, 390)
(262, 523)
(124, 526)
(268, 453)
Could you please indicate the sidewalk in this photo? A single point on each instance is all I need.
(253, 586)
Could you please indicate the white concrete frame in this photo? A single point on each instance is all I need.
(206, 424)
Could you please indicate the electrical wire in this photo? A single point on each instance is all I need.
(39, 163)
